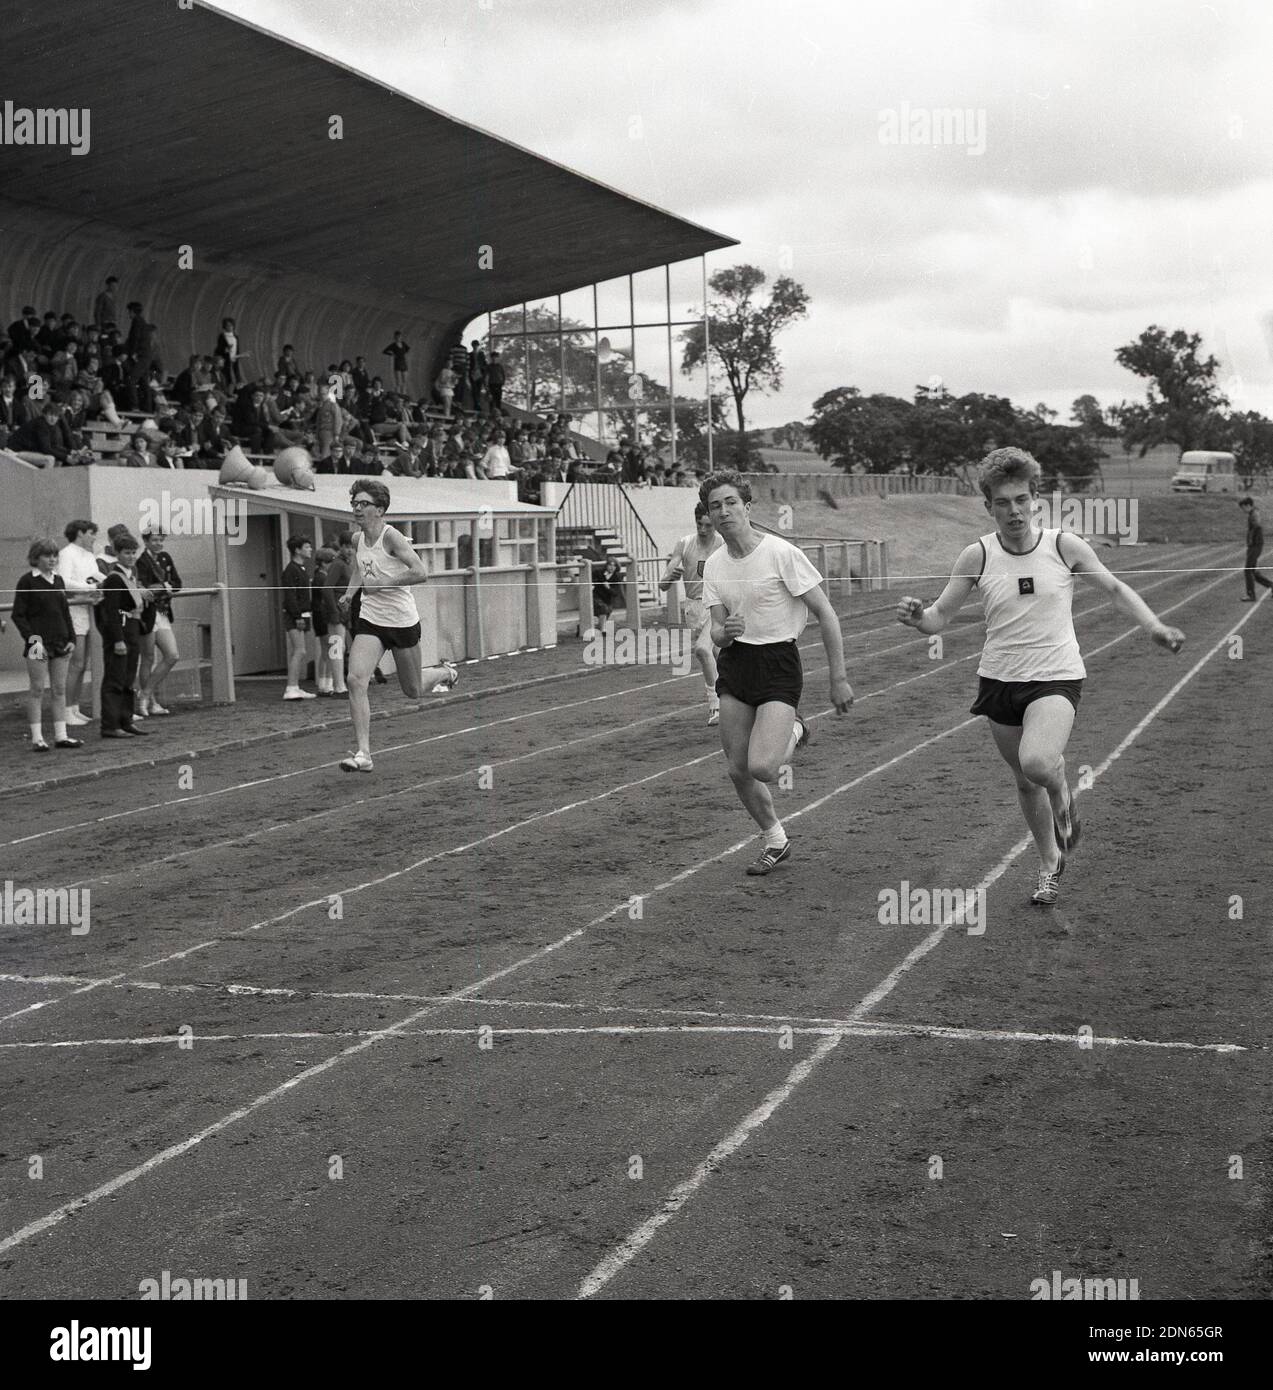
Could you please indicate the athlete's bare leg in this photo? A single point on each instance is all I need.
(364, 656)
(1044, 735)
(414, 681)
(1035, 806)
(773, 740)
(705, 655)
(737, 723)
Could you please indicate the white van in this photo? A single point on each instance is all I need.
(1205, 470)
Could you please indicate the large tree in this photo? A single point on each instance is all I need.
(744, 326)
(1184, 406)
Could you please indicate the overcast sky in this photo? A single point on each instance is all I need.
(1115, 170)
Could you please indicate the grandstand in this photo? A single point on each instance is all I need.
(364, 212)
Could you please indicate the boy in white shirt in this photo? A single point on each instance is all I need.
(760, 591)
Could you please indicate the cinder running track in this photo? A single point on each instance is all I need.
(506, 1018)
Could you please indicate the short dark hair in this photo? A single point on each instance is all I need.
(1247, 502)
(700, 510)
(74, 529)
(295, 543)
(726, 477)
(40, 547)
(344, 538)
(377, 491)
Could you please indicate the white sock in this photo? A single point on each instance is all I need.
(775, 837)
(37, 732)
(59, 728)
(796, 731)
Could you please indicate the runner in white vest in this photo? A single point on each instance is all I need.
(1031, 672)
(385, 618)
(688, 557)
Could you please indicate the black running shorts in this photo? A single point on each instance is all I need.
(760, 673)
(1005, 702)
(388, 636)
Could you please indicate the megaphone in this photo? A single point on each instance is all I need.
(293, 467)
(237, 470)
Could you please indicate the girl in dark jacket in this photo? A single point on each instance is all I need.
(156, 572)
(42, 616)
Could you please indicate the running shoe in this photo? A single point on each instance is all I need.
(155, 707)
(713, 716)
(768, 860)
(357, 762)
(75, 718)
(453, 676)
(1067, 827)
(141, 707)
(296, 693)
(1048, 889)
(806, 733)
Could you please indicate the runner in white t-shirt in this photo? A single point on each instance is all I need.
(386, 618)
(688, 557)
(1031, 672)
(760, 591)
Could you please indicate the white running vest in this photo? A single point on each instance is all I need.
(383, 607)
(693, 555)
(1029, 624)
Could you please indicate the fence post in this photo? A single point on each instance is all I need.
(674, 605)
(583, 583)
(822, 568)
(222, 648)
(632, 596)
(846, 572)
(883, 564)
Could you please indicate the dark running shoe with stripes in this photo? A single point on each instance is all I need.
(769, 859)
(1067, 827)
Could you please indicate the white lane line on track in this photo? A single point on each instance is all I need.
(457, 733)
(865, 1028)
(623, 1254)
(800, 1023)
(400, 747)
(934, 670)
(635, 1242)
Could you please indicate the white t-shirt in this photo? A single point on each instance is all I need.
(79, 571)
(765, 587)
(496, 461)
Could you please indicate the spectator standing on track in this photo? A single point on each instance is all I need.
(329, 671)
(120, 616)
(77, 565)
(298, 614)
(1254, 545)
(338, 572)
(43, 619)
(157, 572)
(398, 350)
